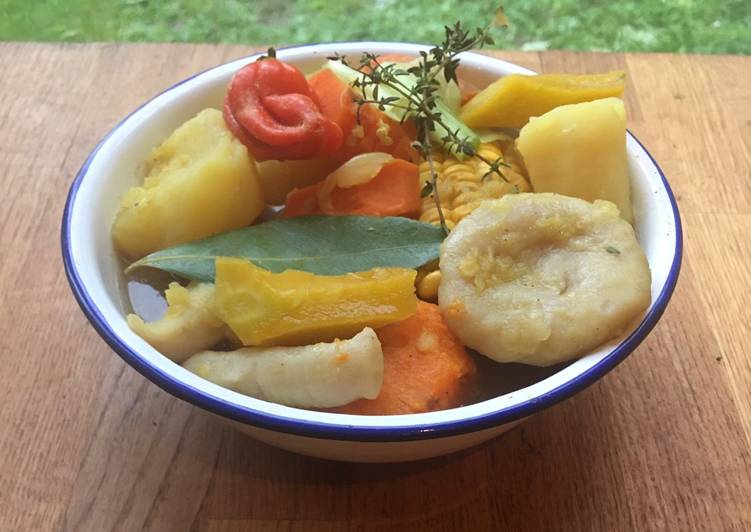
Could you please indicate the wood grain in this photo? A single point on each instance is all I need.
(662, 443)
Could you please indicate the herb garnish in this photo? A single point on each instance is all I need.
(324, 245)
(414, 92)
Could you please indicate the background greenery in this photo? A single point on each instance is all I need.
(712, 26)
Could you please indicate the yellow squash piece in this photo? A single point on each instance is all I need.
(512, 100)
(201, 181)
(580, 150)
(298, 308)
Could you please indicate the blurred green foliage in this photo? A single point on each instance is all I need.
(711, 26)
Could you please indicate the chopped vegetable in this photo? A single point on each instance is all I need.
(189, 325)
(393, 191)
(334, 99)
(580, 150)
(358, 170)
(425, 367)
(375, 132)
(448, 123)
(310, 376)
(297, 308)
(512, 100)
(200, 182)
(271, 108)
(448, 91)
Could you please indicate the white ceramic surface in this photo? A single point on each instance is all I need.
(97, 283)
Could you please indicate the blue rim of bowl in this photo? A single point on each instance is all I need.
(359, 433)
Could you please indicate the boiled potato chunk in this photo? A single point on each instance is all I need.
(189, 326)
(541, 278)
(323, 375)
(298, 308)
(201, 181)
(580, 150)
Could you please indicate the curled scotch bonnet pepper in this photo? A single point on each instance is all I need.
(271, 109)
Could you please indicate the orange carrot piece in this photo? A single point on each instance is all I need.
(376, 131)
(385, 59)
(425, 367)
(396, 58)
(395, 191)
(303, 201)
(334, 99)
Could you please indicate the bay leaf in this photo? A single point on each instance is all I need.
(325, 245)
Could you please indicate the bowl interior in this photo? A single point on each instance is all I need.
(97, 281)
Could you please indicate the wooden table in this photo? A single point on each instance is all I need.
(662, 443)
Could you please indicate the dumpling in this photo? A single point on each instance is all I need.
(189, 326)
(321, 375)
(541, 278)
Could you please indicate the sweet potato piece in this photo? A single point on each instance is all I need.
(425, 367)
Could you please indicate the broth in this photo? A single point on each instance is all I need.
(146, 292)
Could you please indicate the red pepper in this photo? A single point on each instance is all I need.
(271, 109)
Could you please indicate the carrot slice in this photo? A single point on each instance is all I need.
(303, 201)
(334, 99)
(376, 132)
(425, 367)
(394, 191)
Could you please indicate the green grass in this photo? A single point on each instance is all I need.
(710, 26)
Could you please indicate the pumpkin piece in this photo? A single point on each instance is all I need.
(512, 100)
(298, 308)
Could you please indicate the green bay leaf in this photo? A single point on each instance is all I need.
(325, 245)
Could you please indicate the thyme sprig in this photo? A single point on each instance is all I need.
(418, 88)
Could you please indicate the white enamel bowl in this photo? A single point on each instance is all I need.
(99, 287)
